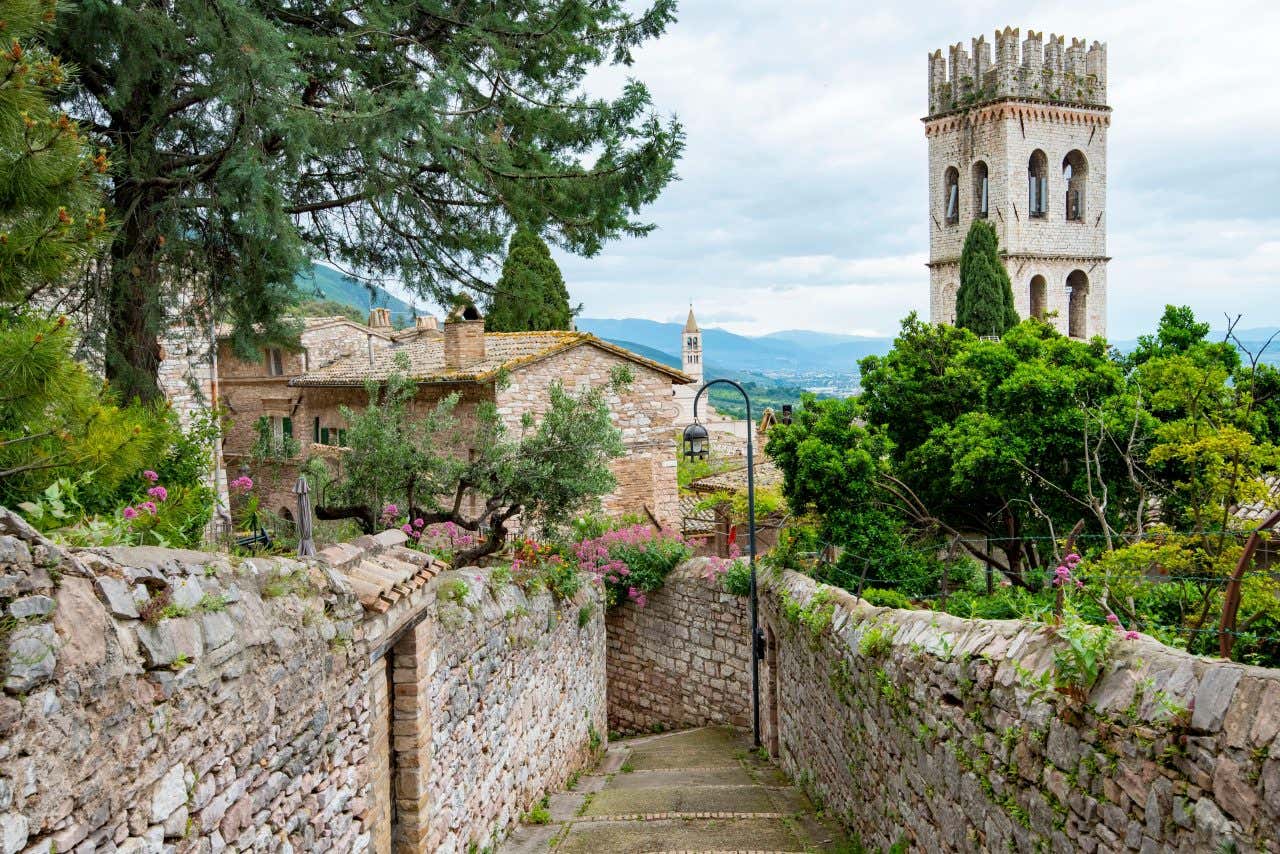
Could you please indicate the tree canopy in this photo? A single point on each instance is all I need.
(551, 470)
(401, 139)
(51, 180)
(984, 302)
(531, 295)
(1009, 449)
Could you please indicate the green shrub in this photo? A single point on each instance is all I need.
(736, 579)
(886, 598)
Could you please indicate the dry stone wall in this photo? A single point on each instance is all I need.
(160, 700)
(682, 660)
(935, 730)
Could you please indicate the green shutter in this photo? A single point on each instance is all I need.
(315, 431)
(324, 435)
(286, 427)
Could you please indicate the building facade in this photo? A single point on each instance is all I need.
(294, 400)
(1021, 141)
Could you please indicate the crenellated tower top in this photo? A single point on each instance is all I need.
(1029, 69)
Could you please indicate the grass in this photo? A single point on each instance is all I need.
(293, 583)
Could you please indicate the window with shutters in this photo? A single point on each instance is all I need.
(275, 362)
(951, 195)
(1038, 185)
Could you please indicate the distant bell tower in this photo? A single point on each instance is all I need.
(691, 348)
(1021, 142)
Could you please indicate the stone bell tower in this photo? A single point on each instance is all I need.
(691, 348)
(1021, 141)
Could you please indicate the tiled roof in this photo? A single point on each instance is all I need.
(224, 330)
(735, 480)
(503, 351)
(1258, 511)
(694, 520)
(380, 570)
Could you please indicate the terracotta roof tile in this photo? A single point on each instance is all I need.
(503, 351)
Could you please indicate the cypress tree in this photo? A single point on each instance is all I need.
(984, 302)
(531, 294)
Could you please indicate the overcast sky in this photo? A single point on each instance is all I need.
(802, 199)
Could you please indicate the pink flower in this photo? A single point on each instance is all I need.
(130, 513)
(1130, 635)
(1079, 584)
(1071, 560)
(244, 483)
(418, 523)
(391, 510)
(407, 528)
(149, 507)
(159, 493)
(1113, 619)
(150, 475)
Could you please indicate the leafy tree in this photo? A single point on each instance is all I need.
(531, 294)
(548, 473)
(832, 466)
(402, 139)
(51, 216)
(984, 302)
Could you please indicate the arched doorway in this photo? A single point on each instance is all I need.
(1039, 297)
(1077, 304)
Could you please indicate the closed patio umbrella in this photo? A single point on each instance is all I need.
(306, 545)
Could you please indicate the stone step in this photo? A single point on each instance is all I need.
(727, 834)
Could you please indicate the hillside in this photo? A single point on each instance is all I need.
(327, 283)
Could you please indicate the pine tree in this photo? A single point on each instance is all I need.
(531, 294)
(984, 302)
(51, 182)
(403, 138)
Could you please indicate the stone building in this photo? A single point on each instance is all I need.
(300, 395)
(1021, 141)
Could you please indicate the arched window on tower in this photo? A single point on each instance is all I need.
(1039, 297)
(951, 195)
(1074, 170)
(1077, 304)
(981, 190)
(1038, 185)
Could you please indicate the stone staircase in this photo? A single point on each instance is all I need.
(700, 790)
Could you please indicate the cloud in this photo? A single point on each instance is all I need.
(803, 191)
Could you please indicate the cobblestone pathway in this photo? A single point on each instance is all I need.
(699, 791)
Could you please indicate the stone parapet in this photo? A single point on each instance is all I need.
(946, 733)
(682, 660)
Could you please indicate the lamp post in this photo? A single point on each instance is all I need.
(696, 440)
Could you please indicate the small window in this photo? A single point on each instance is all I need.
(951, 185)
(1038, 185)
(315, 429)
(275, 363)
(1074, 170)
(981, 190)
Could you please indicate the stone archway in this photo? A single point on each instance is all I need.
(1039, 297)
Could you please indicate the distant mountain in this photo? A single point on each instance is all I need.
(789, 352)
(328, 283)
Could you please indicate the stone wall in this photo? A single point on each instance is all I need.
(925, 727)
(684, 659)
(169, 700)
(645, 414)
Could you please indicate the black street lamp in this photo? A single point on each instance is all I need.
(695, 448)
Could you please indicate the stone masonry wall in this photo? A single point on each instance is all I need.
(928, 728)
(236, 716)
(161, 700)
(517, 692)
(684, 659)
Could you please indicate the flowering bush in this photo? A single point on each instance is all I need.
(631, 561)
(540, 565)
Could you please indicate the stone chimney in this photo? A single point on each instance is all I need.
(463, 338)
(425, 324)
(380, 318)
